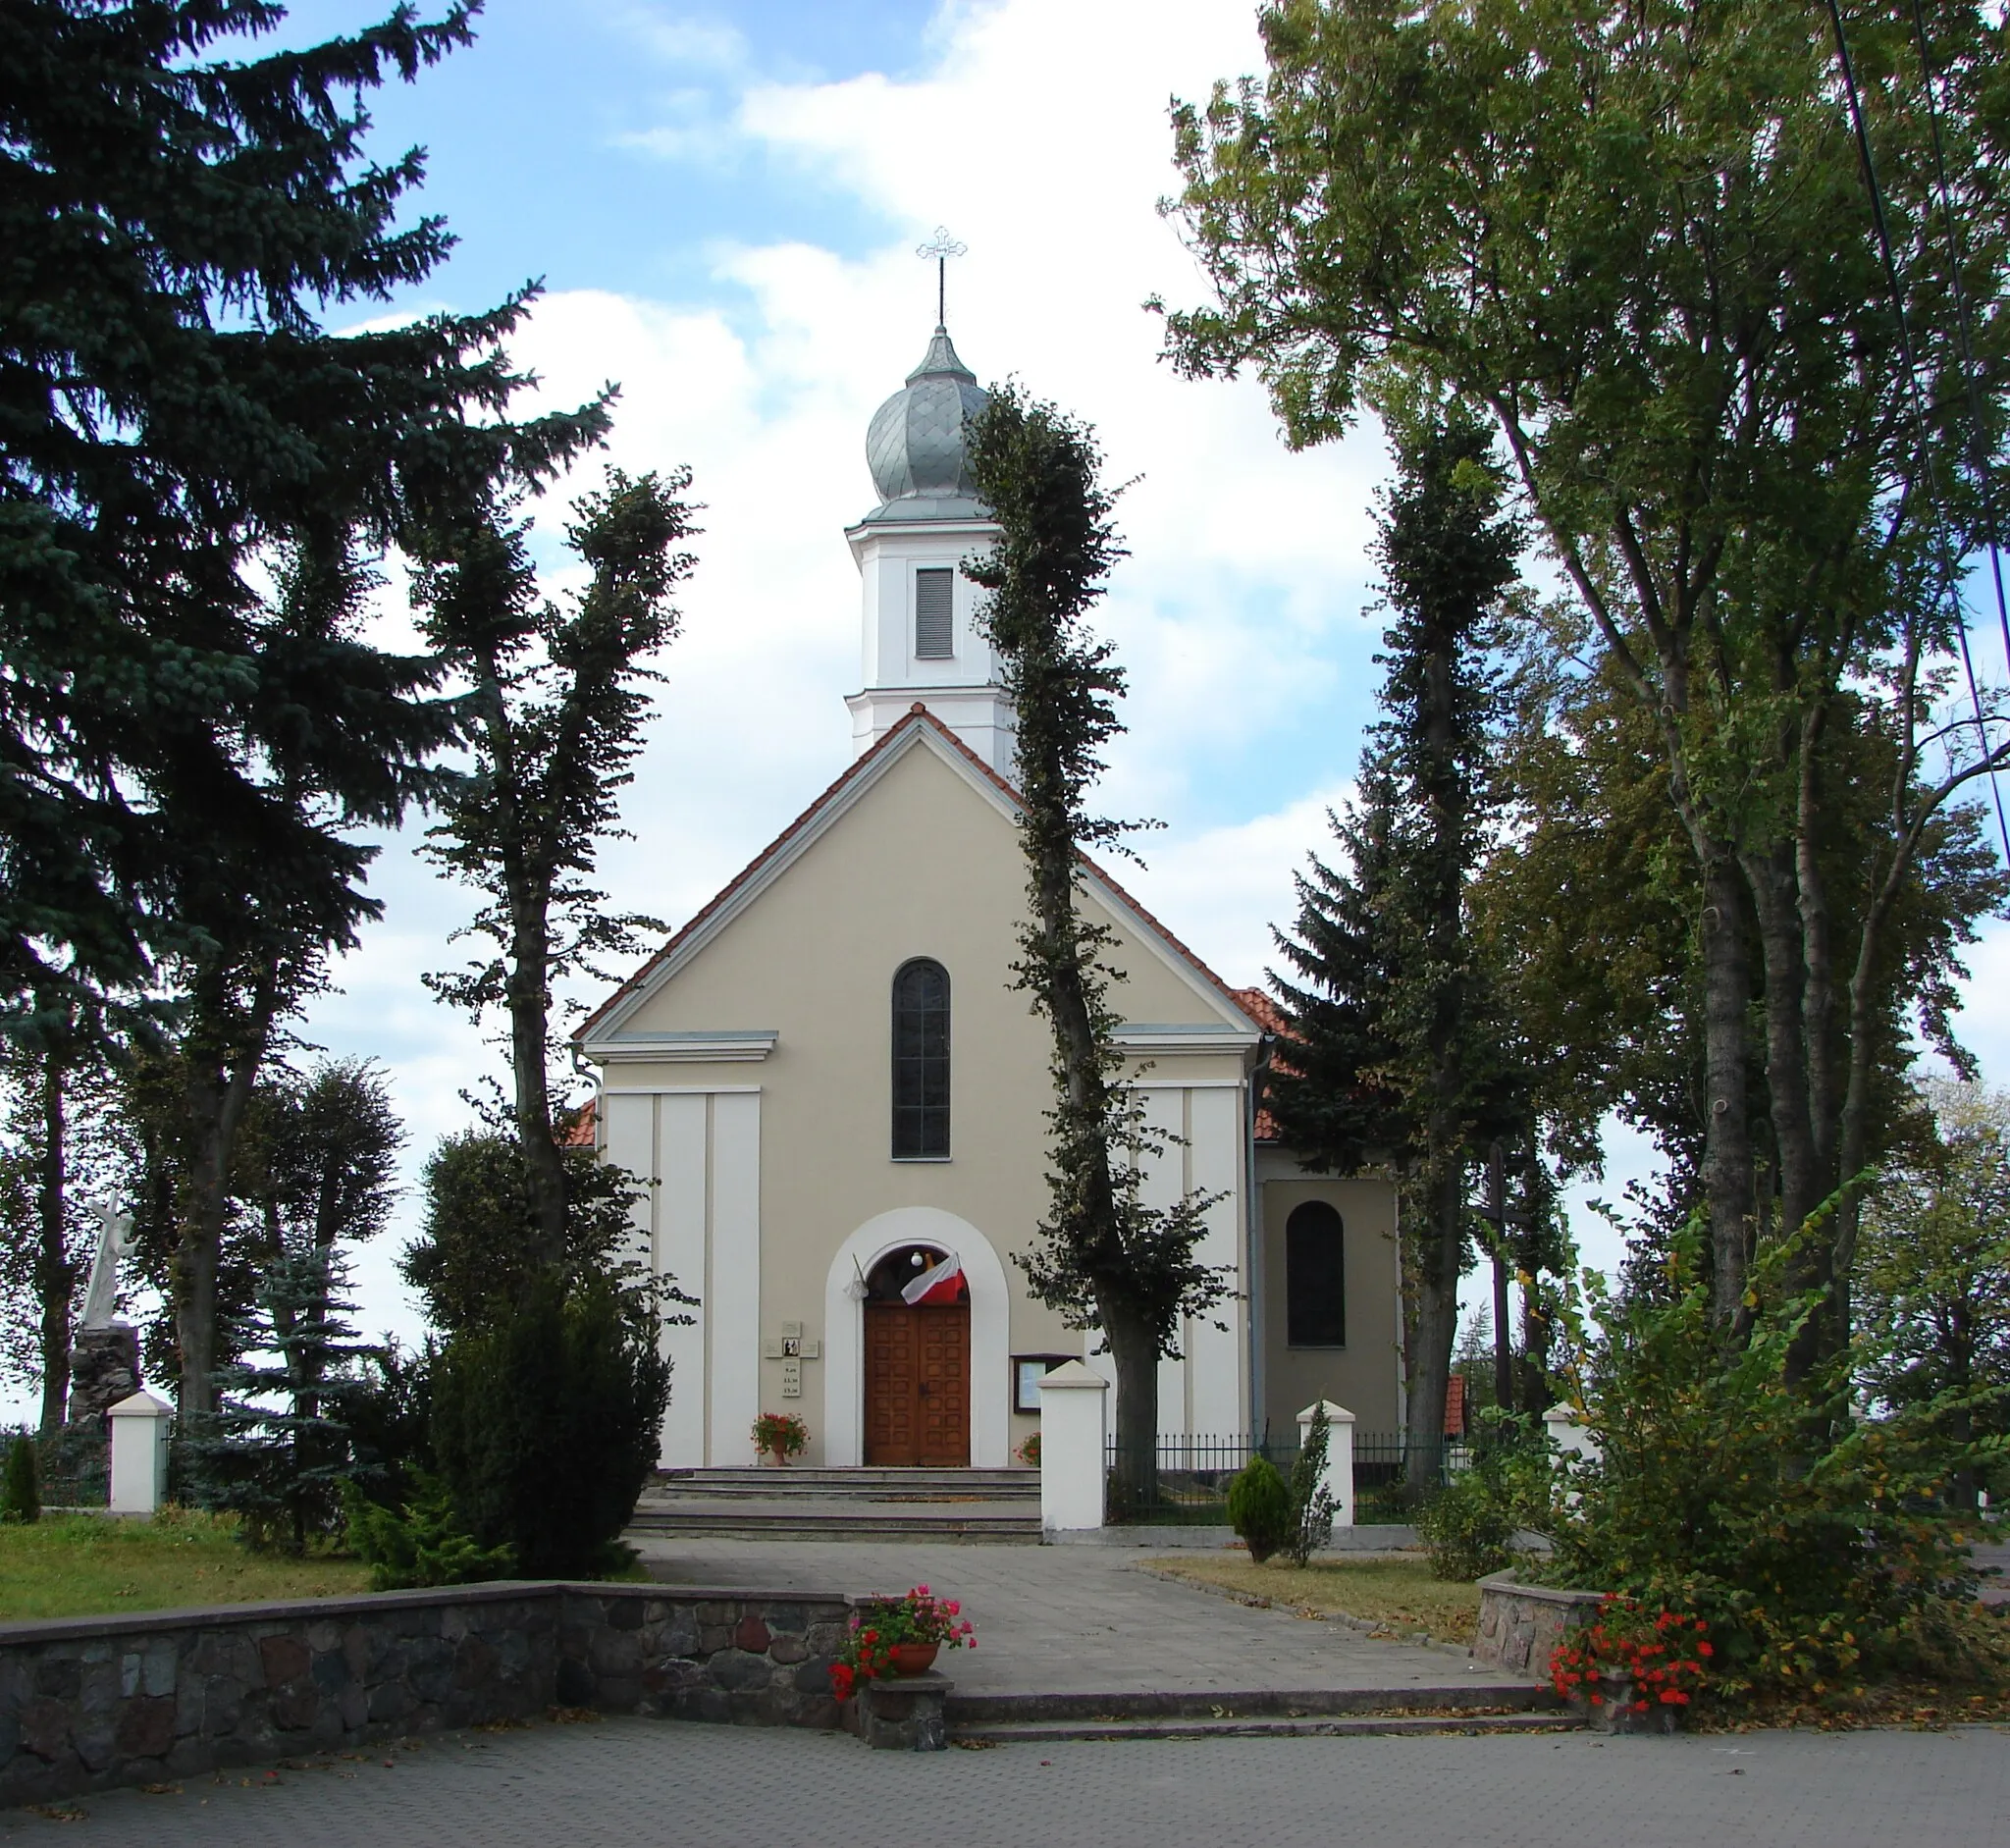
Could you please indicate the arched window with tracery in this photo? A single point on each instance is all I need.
(921, 1060)
(1316, 1277)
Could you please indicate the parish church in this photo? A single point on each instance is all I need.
(835, 1096)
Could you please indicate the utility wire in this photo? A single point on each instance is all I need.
(1915, 395)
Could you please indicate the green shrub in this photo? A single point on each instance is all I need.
(546, 1424)
(21, 1489)
(1817, 1548)
(1466, 1528)
(420, 1542)
(1260, 1508)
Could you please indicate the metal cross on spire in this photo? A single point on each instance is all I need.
(941, 246)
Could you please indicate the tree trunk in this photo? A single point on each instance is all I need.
(1133, 1348)
(1771, 879)
(54, 1272)
(1436, 1326)
(1503, 1333)
(221, 1059)
(1727, 1171)
(529, 1066)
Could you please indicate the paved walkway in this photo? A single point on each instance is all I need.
(1078, 1619)
(638, 1783)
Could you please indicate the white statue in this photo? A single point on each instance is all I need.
(115, 1242)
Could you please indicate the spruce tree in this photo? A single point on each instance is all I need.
(277, 1449)
(187, 753)
(1395, 1049)
(1102, 1257)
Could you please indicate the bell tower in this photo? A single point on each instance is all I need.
(921, 640)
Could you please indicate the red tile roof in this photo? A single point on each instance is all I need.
(918, 715)
(1267, 1015)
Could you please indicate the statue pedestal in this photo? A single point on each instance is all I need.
(104, 1368)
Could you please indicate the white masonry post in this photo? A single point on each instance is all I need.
(1339, 1479)
(140, 1454)
(1073, 1437)
(1570, 1437)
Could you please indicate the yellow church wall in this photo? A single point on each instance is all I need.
(1364, 1376)
(924, 864)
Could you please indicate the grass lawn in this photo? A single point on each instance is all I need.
(1398, 1595)
(77, 1565)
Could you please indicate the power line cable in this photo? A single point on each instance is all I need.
(1915, 395)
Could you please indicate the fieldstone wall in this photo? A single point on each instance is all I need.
(1521, 1626)
(85, 1704)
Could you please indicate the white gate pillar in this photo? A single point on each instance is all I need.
(1339, 1479)
(1570, 1437)
(140, 1454)
(1074, 1439)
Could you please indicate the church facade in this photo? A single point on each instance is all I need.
(834, 1095)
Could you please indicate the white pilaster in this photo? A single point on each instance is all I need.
(733, 1278)
(681, 1158)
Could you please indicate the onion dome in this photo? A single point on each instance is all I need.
(915, 444)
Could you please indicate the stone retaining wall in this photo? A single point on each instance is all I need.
(88, 1703)
(1521, 1626)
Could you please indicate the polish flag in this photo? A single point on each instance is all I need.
(939, 1283)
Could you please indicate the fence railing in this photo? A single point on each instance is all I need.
(1190, 1485)
(75, 1467)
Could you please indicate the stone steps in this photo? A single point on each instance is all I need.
(857, 1485)
(1327, 1726)
(1046, 1719)
(958, 1505)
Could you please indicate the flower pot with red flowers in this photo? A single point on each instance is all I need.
(778, 1436)
(890, 1637)
(1633, 1669)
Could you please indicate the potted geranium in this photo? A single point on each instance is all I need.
(1635, 1672)
(780, 1435)
(898, 1636)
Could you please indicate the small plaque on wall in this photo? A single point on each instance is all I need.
(1027, 1370)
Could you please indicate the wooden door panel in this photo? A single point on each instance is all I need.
(891, 1381)
(917, 1385)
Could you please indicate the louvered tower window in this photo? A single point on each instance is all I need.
(934, 630)
(921, 1060)
(1316, 1277)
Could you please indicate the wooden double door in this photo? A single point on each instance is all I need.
(917, 1385)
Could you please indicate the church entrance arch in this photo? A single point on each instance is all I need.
(916, 1313)
(879, 1350)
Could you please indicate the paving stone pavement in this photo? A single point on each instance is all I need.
(639, 1783)
(1076, 1619)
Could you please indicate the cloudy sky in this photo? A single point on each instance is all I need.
(722, 202)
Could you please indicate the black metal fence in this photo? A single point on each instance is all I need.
(1191, 1486)
(75, 1467)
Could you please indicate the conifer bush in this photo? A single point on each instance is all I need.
(1260, 1508)
(545, 1423)
(21, 1489)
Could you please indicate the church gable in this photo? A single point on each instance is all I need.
(913, 852)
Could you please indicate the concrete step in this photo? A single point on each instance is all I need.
(1322, 1726)
(1039, 1719)
(838, 1520)
(868, 1485)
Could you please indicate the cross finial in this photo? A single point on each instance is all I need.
(941, 246)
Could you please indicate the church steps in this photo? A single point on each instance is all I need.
(854, 1521)
(998, 1486)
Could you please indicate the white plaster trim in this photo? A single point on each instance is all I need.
(844, 1332)
(700, 1048)
(682, 1090)
(1200, 1036)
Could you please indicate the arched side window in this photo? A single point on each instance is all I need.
(1316, 1277)
(921, 1060)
